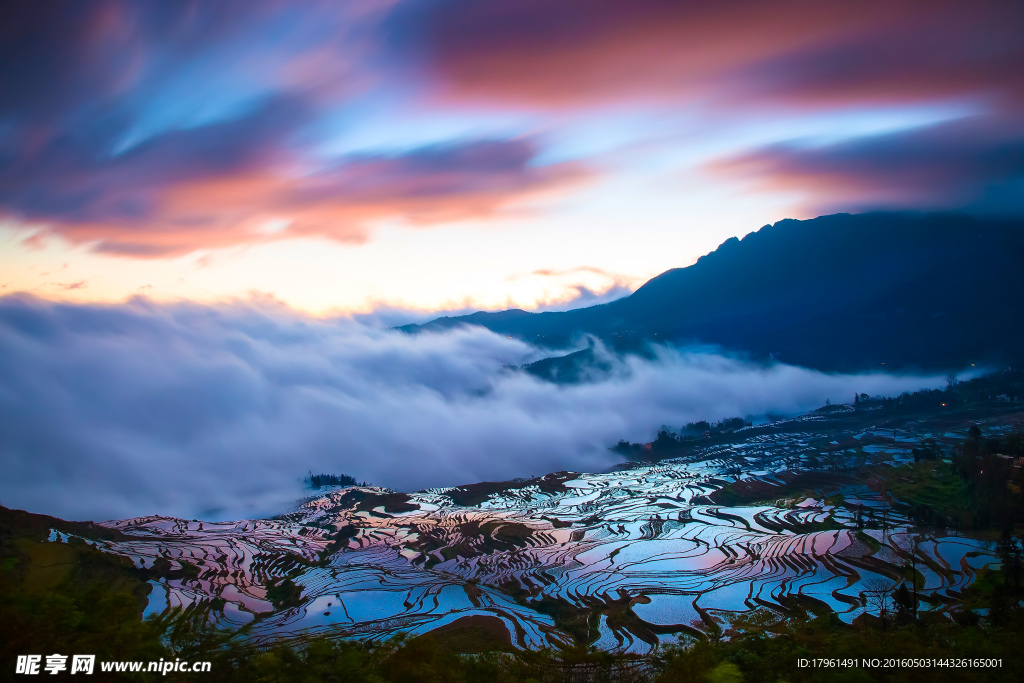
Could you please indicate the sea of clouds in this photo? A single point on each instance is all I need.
(111, 411)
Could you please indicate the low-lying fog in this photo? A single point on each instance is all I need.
(219, 411)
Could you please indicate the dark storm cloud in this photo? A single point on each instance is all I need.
(110, 411)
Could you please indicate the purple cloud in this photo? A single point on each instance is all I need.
(967, 164)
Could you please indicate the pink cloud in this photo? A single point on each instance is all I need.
(586, 52)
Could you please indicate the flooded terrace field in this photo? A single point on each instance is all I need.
(790, 516)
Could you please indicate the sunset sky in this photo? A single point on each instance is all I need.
(449, 154)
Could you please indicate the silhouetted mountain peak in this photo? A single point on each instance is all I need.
(842, 291)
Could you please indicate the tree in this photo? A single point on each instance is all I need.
(878, 595)
(1011, 555)
(903, 599)
(726, 672)
(316, 481)
(907, 545)
(623, 448)
(665, 442)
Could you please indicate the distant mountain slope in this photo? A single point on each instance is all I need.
(836, 292)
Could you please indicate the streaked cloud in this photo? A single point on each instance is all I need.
(802, 52)
(962, 165)
(579, 132)
(148, 129)
(235, 183)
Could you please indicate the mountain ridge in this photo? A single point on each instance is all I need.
(838, 292)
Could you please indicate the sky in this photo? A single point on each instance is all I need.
(395, 158)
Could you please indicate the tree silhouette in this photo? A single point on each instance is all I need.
(878, 595)
(908, 545)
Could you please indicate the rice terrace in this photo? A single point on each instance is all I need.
(852, 513)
